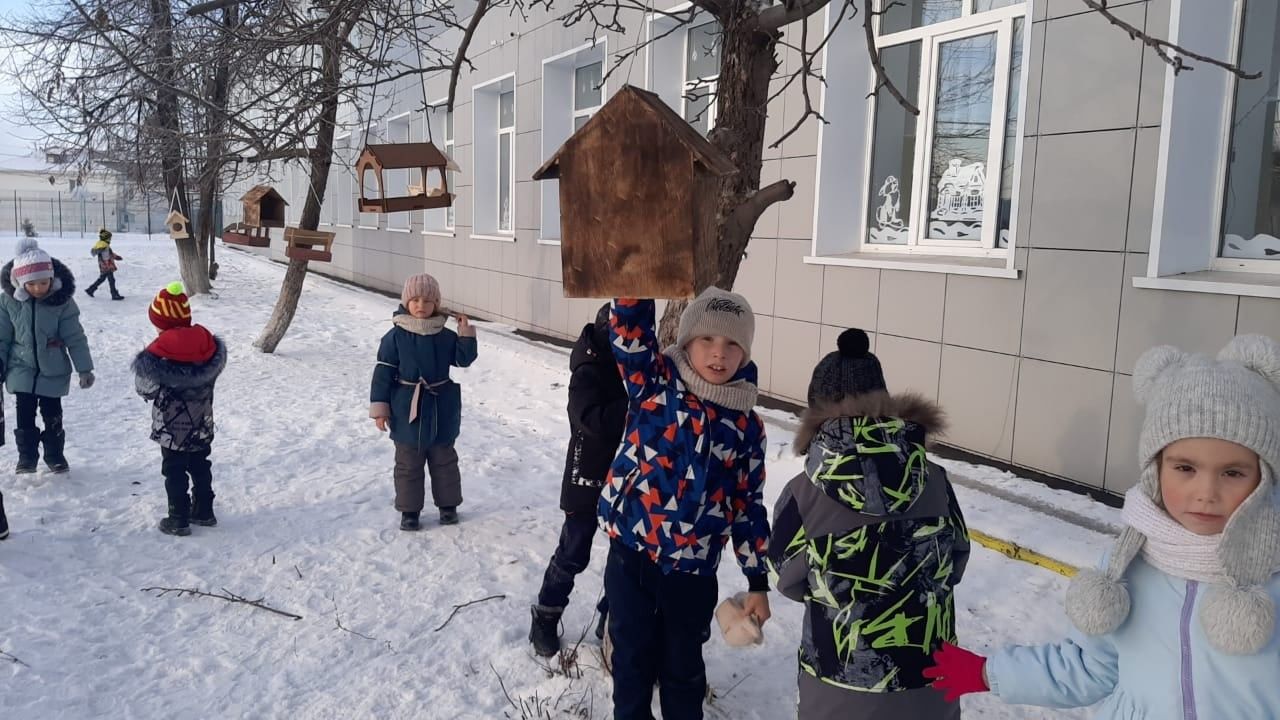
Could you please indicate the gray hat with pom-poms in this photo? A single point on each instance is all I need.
(1236, 398)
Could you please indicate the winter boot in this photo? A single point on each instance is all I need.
(28, 442)
(602, 625)
(409, 522)
(174, 526)
(90, 290)
(179, 514)
(448, 516)
(4, 521)
(544, 631)
(54, 440)
(202, 513)
(117, 297)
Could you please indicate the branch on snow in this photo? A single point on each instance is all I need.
(1173, 55)
(743, 219)
(226, 595)
(456, 608)
(13, 658)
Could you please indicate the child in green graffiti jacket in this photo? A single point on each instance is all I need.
(870, 537)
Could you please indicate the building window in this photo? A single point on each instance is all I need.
(437, 127)
(943, 181)
(493, 158)
(572, 91)
(506, 146)
(342, 178)
(398, 181)
(1250, 235)
(701, 68)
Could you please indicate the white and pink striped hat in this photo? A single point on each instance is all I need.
(30, 263)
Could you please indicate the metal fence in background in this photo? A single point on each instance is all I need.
(80, 214)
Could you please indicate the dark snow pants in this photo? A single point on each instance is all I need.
(177, 466)
(110, 277)
(658, 623)
(410, 477)
(572, 555)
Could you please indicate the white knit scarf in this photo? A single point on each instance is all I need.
(1170, 547)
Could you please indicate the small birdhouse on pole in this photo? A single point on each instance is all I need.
(638, 192)
(178, 224)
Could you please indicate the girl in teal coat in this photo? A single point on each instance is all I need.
(1180, 621)
(413, 396)
(41, 342)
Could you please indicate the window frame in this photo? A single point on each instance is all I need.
(507, 133)
(431, 127)
(486, 160)
(687, 86)
(559, 91)
(406, 119)
(931, 37)
(1217, 261)
(345, 185)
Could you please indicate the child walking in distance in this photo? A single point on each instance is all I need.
(870, 538)
(413, 396)
(106, 264)
(176, 374)
(41, 341)
(597, 411)
(1180, 619)
(686, 480)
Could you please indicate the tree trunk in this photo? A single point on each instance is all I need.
(747, 63)
(191, 265)
(321, 160)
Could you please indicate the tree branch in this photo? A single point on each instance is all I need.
(456, 608)
(882, 77)
(773, 18)
(482, 7)
(744, 217)
(1162, 48)
(226, 595)
(13, 658)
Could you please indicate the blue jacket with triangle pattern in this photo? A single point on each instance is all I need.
(689, 474)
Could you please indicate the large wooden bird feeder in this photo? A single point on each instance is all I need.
(431, 164)
(263, 207)
(638, 191)
(314, 245)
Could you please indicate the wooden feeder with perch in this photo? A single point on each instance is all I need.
(242, 234)
(314, 245)
(178, 224)
(263, 207)
(638, 192)
(426, 195)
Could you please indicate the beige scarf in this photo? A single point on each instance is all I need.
(421, 326)
(737, 395)
(1169, 547)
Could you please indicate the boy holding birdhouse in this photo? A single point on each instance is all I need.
(687, 479)
(413, 397)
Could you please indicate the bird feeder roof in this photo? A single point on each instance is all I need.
(405, 155)
(260, 192)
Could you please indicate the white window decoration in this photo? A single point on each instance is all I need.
(398, 181)
(701, 69)
(1250, 236)
(572, 91)
(493, 158)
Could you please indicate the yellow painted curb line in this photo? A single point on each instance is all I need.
(1017, 552)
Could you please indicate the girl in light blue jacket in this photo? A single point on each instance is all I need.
(1180, 620)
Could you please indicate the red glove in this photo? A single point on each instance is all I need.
(957, 672)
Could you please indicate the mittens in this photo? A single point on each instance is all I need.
(957, 672)
(739, 628)
(86, 380)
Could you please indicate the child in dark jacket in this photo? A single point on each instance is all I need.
(106, 264)
(871, 539)
(412, 395)
(176, 374)
(41, 343)
(687, 479)
(597, 411)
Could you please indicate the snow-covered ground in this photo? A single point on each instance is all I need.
(306, 523)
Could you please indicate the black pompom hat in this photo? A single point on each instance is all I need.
(851, 370)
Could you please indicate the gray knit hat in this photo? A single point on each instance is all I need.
(1234, 398)
(719, 312)
(851, 370)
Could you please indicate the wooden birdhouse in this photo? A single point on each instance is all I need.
(178, 224)
(638, 191)
(242, 234)
(430, 193)
(314, 245)
(263, 207)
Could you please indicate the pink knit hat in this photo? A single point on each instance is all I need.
(423, 286)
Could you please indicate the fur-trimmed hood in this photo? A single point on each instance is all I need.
(911, 407)
(167, 373)
(63, 288)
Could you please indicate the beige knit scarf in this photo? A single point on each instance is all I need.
(737, 395)
(421, 326)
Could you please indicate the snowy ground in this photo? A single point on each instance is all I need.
(306, 523)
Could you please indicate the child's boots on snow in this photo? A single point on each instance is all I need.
(179, 514)
(54, 440)
(448, 516)
(544, 632)
(202, 505)
(410, 521)
(28, 442)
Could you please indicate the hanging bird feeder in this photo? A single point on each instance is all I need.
(432, 165)
(314, 245)
(178, 224)
(242, 234)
